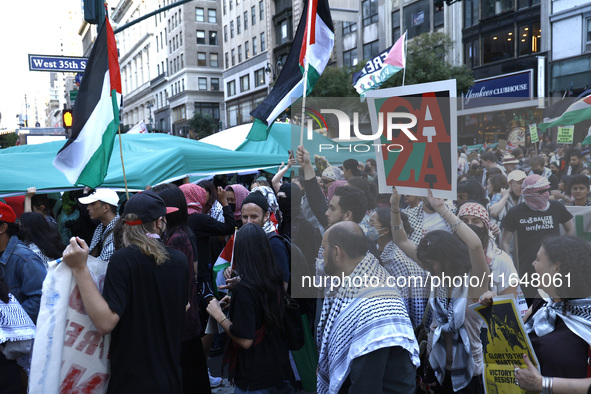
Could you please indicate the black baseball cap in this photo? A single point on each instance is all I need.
(148, 206)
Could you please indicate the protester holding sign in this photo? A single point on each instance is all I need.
(143, 303)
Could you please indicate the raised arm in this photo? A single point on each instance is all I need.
(276, 181)
(398, 233)
(477, 257)
(497, 208)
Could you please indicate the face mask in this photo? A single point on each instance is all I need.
(474, 167)
(232, 207)
(372, 234)
(538, 171)
(482, 232)
(284, 204)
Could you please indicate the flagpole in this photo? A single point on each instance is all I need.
(405, 42)
(306, 65)
(122, 165)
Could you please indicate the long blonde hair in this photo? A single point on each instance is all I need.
(136, 235)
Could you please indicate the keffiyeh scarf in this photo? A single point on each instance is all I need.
(449, 313)
(356, 321)
(240, 193)
(196, 197)
(535, 191)
(577, 317)
(266, 191)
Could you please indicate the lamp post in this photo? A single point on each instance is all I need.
(274, 71)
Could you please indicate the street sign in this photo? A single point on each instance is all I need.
(78, 79)
(57, 63)
(73, 95)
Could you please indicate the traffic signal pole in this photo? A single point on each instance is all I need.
(159, 10)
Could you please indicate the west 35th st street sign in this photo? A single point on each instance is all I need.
(57, 63)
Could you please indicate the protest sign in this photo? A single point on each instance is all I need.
(69, 355)
(505, 344)
(417, 144)
(565, 134)
(533, 133)
(582, 220)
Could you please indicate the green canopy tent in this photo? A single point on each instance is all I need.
(149, 159)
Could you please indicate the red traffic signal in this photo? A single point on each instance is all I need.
(67, 118)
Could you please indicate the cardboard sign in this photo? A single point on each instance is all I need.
(69, 355)
(417, 147)
(502, 145)
(533, 133)
(565, 134)
(505, 344)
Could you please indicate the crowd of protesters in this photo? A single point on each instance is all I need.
(168, 304)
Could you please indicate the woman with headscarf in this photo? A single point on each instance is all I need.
(455, 347)
(329, 175)
(235, 195)
(212, 207)
(267, 192)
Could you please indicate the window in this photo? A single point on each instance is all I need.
(199, 15)
(208, 109)
(527, 3)
(202, 83)
(246, 51)
(213, 60)
(231, 6)
(529, 39)
(254, 46)
(588, 34)
(282, 33)
(182, 61)
(213, 38)
(181, 38)
(349, 27)
(370, 49)
(225, 8)
(491, 8)
(201, 37)
(438, 13)
(416, 18)
(232, 115)
(350, 58)
(395, 26)
(231, 29)
(201, 59)
(158, 68)
(212, 16)
(226, 59)
(253, 14)
(261, 10)
(472, 56)
(238, 25)
(225, 33)
(233, 57)
(245, 20)
(497, 46)
(263, 43)
(259, 77)
(157, 47)
(239, 53)
(369, 11)
(215, 83)
(471, 12)
(244, 83)
(231, 87)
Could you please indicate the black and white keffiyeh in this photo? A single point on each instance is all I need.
(449, 313)
(577, 317)
(415, 218)
(217, 212)
(412, 282)
(356, 321)
(105, 235)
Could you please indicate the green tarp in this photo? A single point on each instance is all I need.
(149, 159)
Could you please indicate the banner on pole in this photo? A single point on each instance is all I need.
(417, 144)
(533, 132)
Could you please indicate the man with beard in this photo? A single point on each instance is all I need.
(365, 338)
(576, 162)
(533, 220)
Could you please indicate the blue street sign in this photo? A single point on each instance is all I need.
(78, 79)
(57, 63)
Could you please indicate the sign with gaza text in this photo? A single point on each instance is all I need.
(417, 130)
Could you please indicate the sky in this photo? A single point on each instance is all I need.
(31, 27)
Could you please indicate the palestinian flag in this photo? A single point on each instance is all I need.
(290, 83)
(577, 112)
(85, 157)
(226, 259)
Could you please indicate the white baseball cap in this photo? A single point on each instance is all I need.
(107, 196)
(516, 175)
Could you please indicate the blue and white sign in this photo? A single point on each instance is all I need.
(502, 89)
(57, 63)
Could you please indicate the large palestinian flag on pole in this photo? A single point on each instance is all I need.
(85, 157)
(290, 83)
(577, 112)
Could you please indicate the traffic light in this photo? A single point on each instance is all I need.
(67, 118)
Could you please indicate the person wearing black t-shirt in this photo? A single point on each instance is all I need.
(143, 303)
(533, 220)
(259, 355)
